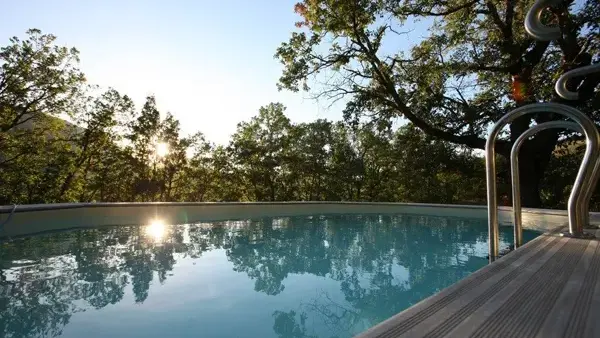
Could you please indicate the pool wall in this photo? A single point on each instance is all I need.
(31, 219)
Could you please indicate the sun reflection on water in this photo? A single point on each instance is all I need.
(156, 230)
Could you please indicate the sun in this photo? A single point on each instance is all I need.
(162, 149)
(156, 230)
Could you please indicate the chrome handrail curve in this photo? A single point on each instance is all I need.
(514, 170)
(534, 25)
(577, 198)
(561, 84)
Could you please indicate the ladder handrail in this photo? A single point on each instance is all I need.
(561, 84)
(514, 169)
(534, 25)
(587, 176)
(578, 200)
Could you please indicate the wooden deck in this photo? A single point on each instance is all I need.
(548, 288)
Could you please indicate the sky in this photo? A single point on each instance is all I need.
(209, 63)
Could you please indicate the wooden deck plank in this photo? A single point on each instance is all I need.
(592, 324)
(492, 290)
(477, 319)
(548, 288)
(568, 303)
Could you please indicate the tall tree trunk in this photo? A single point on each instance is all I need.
(66, 185)
(533, 162)
(272, 191)
(530, 181)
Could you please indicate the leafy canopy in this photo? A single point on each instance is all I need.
(475, 64)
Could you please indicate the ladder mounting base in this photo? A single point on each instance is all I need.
(584, 235)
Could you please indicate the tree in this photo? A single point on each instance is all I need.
(258, 149)
(345, 166)
(34, 160)
(97, 119)
(37, 78)
(476, 64)
(175, 160)
(38, 82)
(433, 171)
(198, 178)
(228, 182)
(143, 135)
(306, 165)
(111, 179)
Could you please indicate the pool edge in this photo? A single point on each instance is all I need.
(34, 219)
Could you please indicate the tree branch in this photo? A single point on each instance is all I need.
(510, 13)
(472, 141)
(493, 12)
(448, 11)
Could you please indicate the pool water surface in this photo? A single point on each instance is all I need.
(311, 276)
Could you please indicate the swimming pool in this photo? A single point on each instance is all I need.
(316, 275)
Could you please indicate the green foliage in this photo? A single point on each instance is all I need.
(36, 78)
(258, 149)
(474, 65)
(62, 140)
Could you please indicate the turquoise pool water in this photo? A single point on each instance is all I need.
(313, 276)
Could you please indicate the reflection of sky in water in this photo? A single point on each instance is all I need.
(286, 277)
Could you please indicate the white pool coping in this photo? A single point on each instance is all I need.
(39, 218)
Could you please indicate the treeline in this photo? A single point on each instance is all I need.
(268, 159)
(112, 151)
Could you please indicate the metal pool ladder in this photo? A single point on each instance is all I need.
(588, 174)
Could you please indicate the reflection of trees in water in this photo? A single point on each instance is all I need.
(38, 297)
(285, 325)
(340, 319)
(362, 258)
(43, 278)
